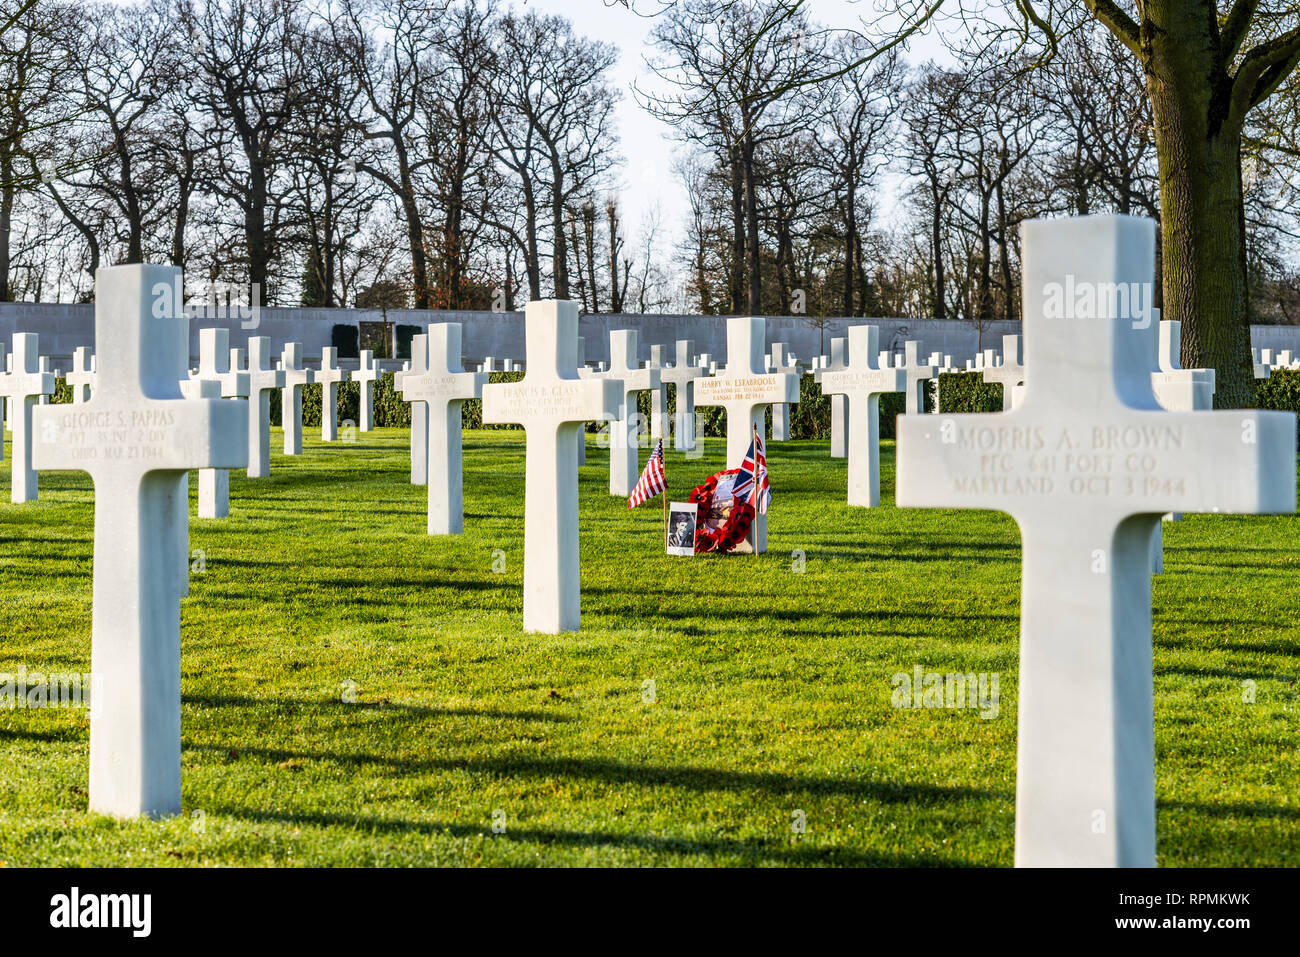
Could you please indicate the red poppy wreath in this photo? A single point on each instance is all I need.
(721, 522)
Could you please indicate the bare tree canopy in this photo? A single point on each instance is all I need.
(465, 154)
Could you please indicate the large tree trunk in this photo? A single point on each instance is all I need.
(181, 220)
(6, 223)
(984, 288)
(414, 227)
(1203, 220)
(559, 246)
(455, 238)
(615, 298)
(134, 216)
(255, 226)
(755, 300)
(737, 233)
(1004, 259)
(936, 250)
(589, 231)
(578, 263)
(850, 243)
(532, 258)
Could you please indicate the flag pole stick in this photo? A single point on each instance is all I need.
(665, 493)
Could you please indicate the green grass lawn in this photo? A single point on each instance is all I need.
(772, 686)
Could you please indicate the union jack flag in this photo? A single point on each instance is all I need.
(752, 480)
(652, 481)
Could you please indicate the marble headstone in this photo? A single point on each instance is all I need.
(863, 381)
(262, 380)
(551, 403)
(745, 390)
(366, 375)
(1010, 373)
(443, 389)
(1087, 462)
(682, 376)
(625, 431)
(23, 386)
(329, 376)
(295, 377)
(136, 436)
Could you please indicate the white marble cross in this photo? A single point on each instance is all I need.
(551, 403)
(329, 376)
(863, 382)
(81, 378)
(942, 366)
(295, 377)
(1177, 390)
(837, 360)
(367, 374)
(262, 380)
(443, 389)
(782, 361)
(582, 433)
(682, 375)
(1086, 463)
(47, 368)
(418, 365)
(1263, 363)
(214, 366)
(625, 431)
(658, 395)
(918, 373)
(136, 437)
(745, 390)
(1010, 373)
(23, 386)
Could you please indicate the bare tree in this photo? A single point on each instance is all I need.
(734, 75)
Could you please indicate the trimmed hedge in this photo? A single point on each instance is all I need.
(810, 419)
(1280, 391)
(389, 409)
(967, 392)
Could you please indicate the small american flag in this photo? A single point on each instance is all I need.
(752, 480)
(652, 480)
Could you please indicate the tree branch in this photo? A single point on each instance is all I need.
(1118, 22)
(1235, 29)
(1263, 69)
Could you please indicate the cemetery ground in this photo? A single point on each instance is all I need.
(356, 692)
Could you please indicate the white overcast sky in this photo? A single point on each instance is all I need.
(648, 144)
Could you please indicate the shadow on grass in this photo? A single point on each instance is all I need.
(1230, 810)
(698, 779)
(60, 735)
(336, 705)
(1258, 674)
(800, 854)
